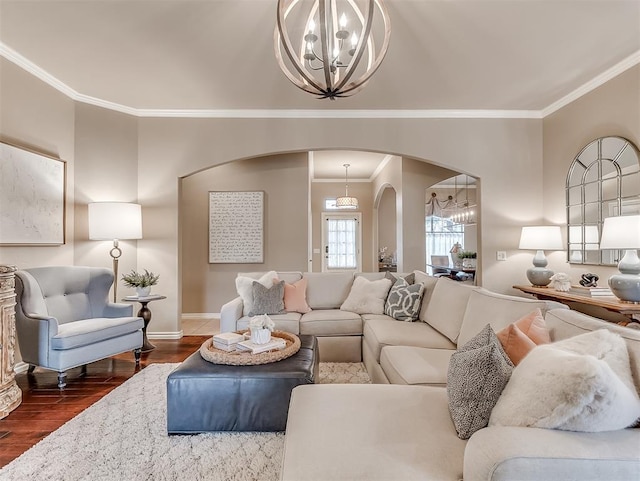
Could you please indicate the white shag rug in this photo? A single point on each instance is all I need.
(124, 437)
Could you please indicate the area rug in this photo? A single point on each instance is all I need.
(124, 437)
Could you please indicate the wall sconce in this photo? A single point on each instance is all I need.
(115, 221)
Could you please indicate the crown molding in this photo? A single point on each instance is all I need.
(24, 63)
(629, 62)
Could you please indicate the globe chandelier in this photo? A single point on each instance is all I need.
(331, 48)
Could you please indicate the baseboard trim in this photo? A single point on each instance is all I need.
(21, 367)
(201, 315)
(165, 335)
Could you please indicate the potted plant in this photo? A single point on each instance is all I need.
(468, 259)
(141, 282)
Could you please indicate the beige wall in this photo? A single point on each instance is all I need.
(106, 144)
(611, 109)
(38, 117)
(505, 153)
(283, 178)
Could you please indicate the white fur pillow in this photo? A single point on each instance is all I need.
(244, 286)
(367, 297)
(582, 383)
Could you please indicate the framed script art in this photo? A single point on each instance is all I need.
(236, 227)
(32, 197)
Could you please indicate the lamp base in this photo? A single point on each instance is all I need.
(539, 276)
(626, 287)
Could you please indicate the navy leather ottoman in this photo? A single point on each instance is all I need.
(202, 396)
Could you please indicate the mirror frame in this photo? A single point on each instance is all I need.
(596, 188)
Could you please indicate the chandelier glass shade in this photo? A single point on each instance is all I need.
(331, 48)
(346, 201)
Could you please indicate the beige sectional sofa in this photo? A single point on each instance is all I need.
(400, 427)
(339, 332)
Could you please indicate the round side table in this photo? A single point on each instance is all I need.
(145, 314)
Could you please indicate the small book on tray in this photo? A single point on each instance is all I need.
(224, 347)
(276, 343)
(228, 338)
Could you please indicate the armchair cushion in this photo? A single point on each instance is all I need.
(90, 331)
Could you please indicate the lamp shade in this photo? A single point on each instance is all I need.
(115, 220)
(621, 232)
(547, 237)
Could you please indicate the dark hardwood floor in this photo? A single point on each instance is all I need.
(45, 408)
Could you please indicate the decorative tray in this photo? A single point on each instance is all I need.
(245, 358)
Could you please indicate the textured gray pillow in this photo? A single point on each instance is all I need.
(267, 300)
(410, 278)
(403, 301)
(478, 372)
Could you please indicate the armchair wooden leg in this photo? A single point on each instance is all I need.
(62, 380)
(137, 353)
(32, 367)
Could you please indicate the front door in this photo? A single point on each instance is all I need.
(341, 241)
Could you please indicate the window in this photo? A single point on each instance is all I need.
(330, 204)
(441, 235)
(341, 242)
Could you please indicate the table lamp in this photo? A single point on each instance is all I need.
(540, 238)
(115, 221)
(624, 233)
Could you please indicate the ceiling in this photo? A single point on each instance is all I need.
(218, 54)
(172, 56)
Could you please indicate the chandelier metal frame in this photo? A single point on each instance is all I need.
(336, 72)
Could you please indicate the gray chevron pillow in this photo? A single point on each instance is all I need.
(403, 301)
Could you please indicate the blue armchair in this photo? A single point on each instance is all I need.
(64, 318)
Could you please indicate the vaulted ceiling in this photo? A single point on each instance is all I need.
(218, 54)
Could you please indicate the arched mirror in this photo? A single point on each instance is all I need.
(603, 181)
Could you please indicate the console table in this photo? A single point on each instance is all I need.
(611, 303)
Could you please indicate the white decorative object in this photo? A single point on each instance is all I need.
(261, 327)
(260, 336)
(561, 282)
(236, 233)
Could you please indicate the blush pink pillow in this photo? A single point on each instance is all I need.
(295, 297)
(522, 336)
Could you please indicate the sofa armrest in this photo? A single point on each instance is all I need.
(34, 337)
(508, 453)
(230, 313)
(118, 310)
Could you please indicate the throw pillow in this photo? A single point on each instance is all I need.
(582, 383)
(295, 297)
(244, 286)
(267, 300)
(478, 372)
(403, 301)
(410, 278)
(367, 297)
(519, 338)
